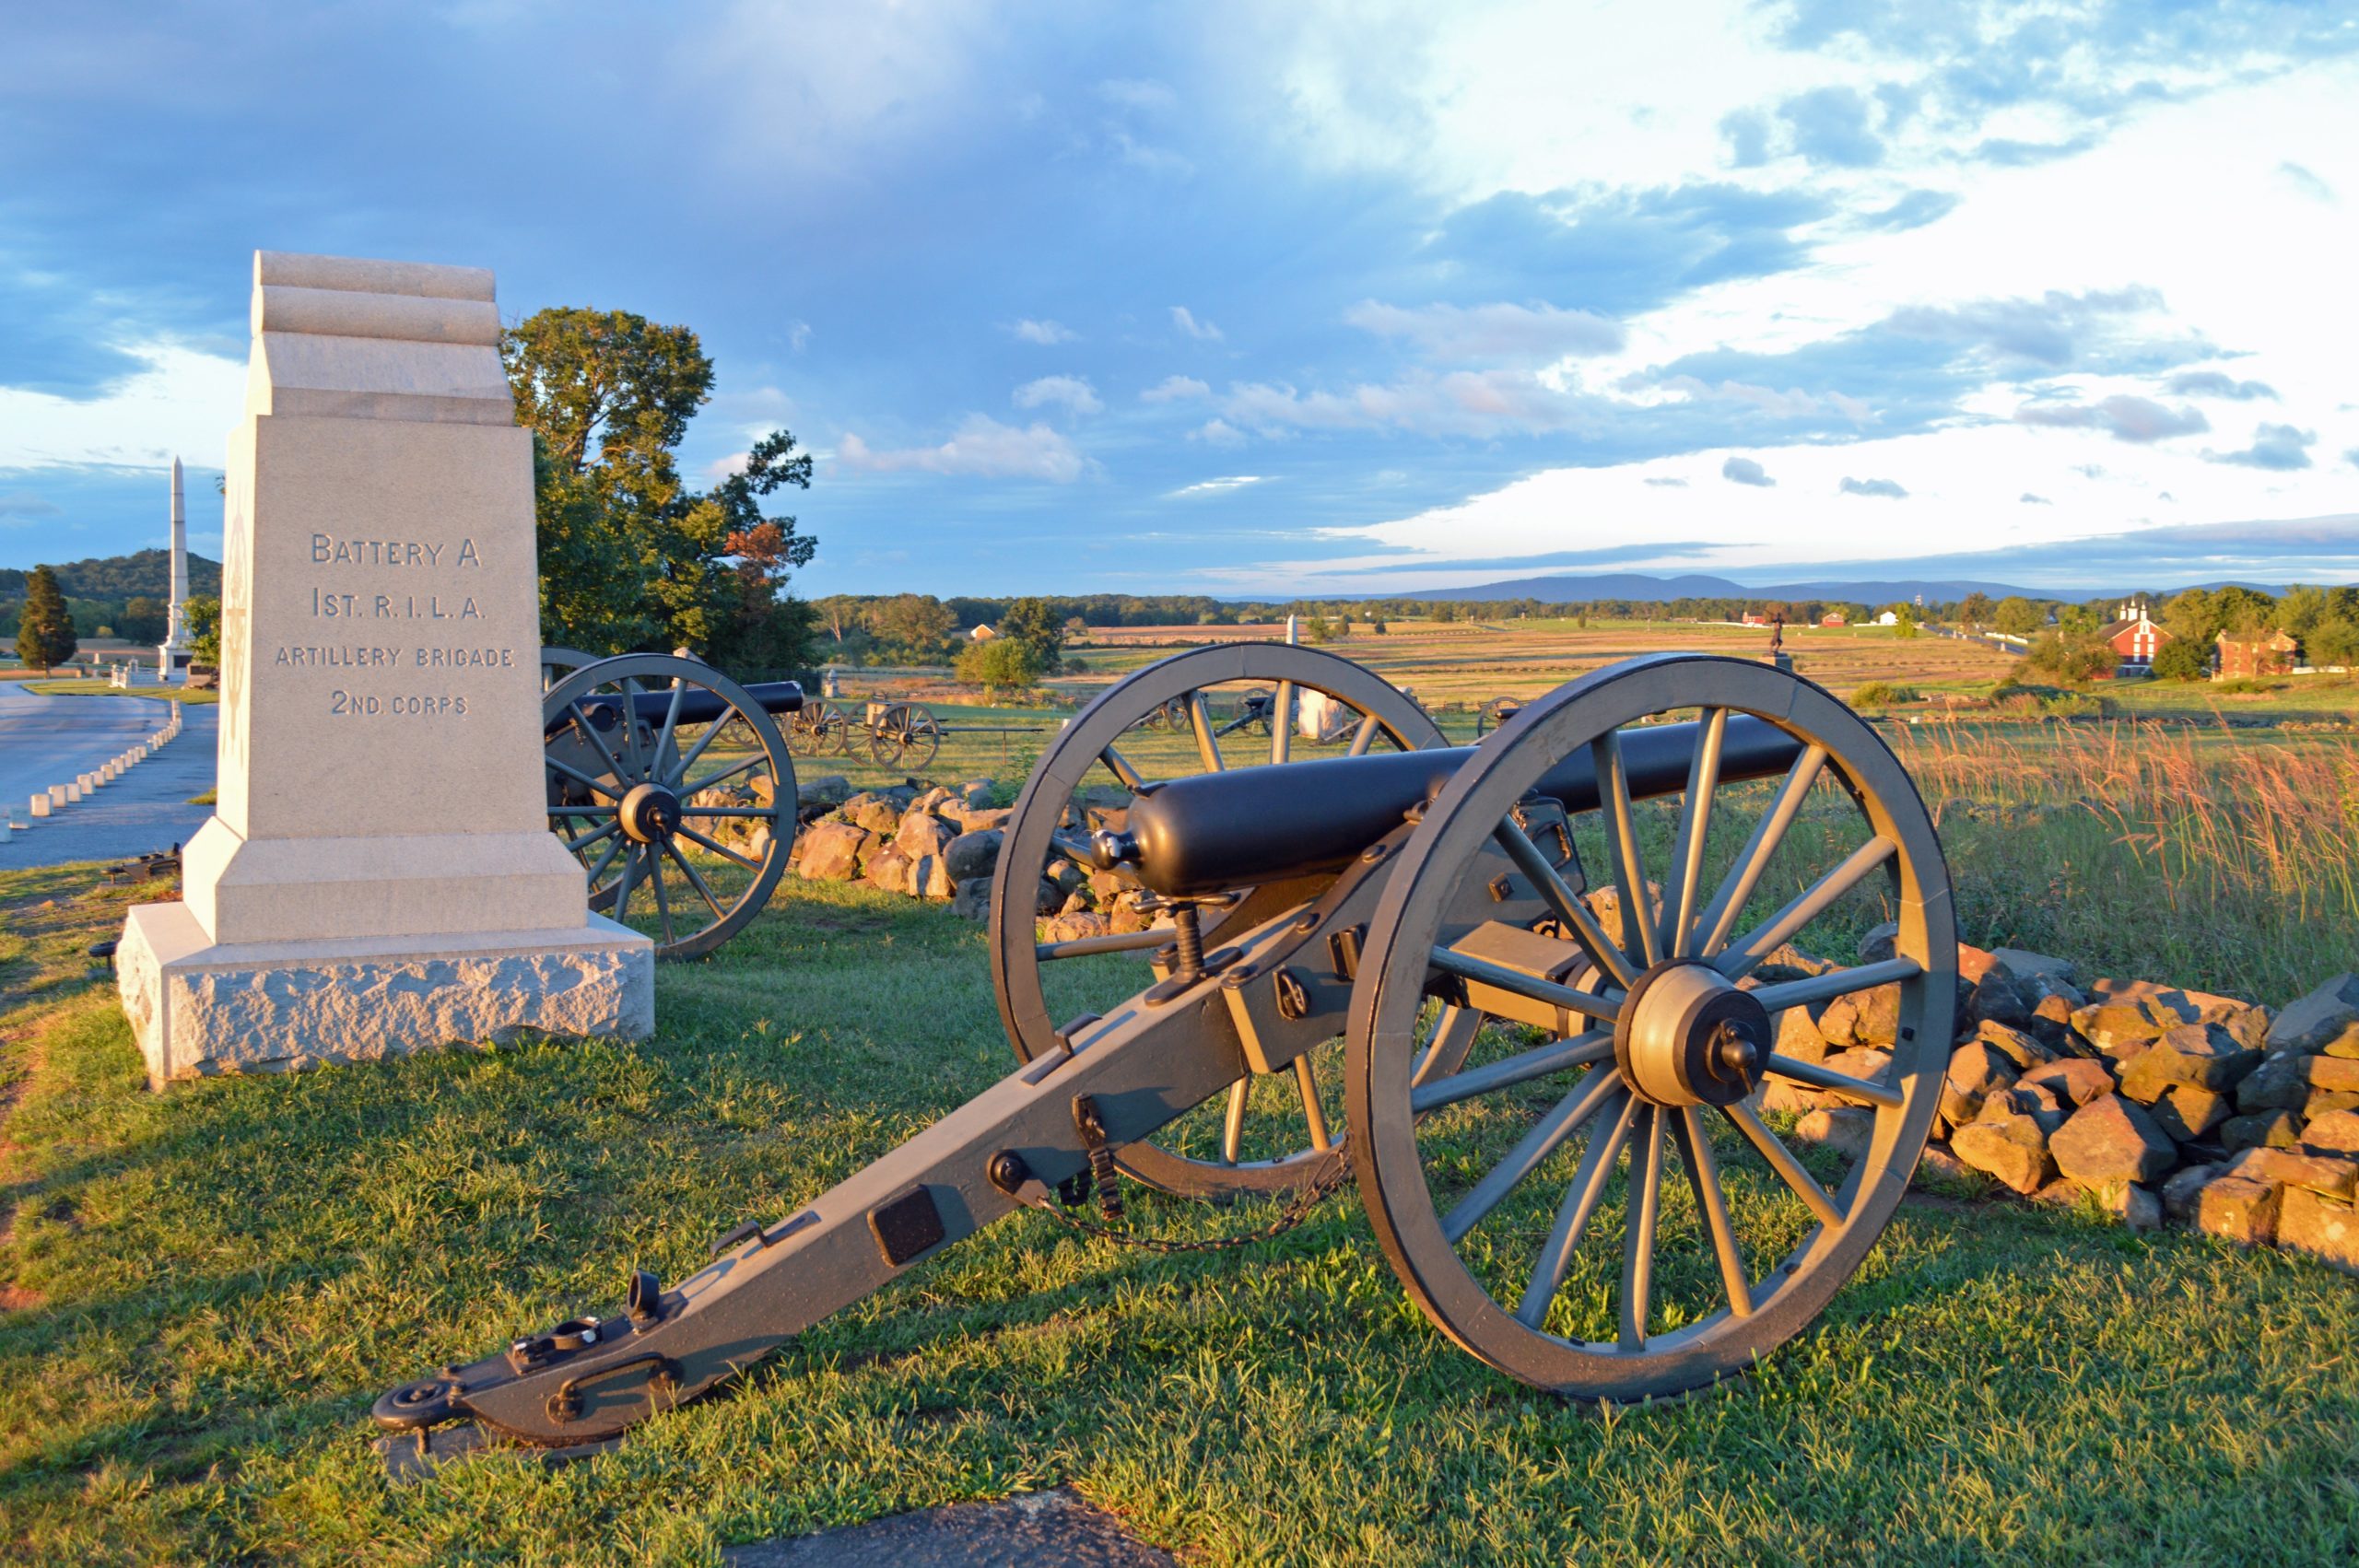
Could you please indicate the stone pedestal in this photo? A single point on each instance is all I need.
(378, 875)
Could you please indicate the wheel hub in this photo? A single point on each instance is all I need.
(1686, 1037)
(651, 814)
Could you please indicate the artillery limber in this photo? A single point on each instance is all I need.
(1399, 964)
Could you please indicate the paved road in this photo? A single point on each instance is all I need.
(49, 740)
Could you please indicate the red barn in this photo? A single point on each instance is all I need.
(2262, 653)
(2135, 640)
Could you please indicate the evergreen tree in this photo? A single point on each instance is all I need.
(44, 630)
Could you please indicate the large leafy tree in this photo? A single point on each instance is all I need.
(44, 628)
(630, 555)
(1036, 624)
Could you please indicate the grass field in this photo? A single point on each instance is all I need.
(98, 687)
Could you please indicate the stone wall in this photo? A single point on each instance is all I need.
(2160, 1104)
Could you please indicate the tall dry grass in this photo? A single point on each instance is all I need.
(2218, 859)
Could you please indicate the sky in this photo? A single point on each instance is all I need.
(1273, 299)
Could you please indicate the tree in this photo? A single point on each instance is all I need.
(1001, 662)
(2179, 659)
(918, 624)
(203, 613)
(1316, 629)
(2334, 640)
(629, 555)
(2071, 657)
(2015, 615)
(1035, 622)
(44, 630)
(142, 619)
(1975, 609)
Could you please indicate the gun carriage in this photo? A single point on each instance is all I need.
(1393, 961)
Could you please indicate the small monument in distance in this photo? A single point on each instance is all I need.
(378, 877)
(173, 654)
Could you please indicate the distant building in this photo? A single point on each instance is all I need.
(1889, 618)
(2135, 638)
(1756, 618)
(2268, 652)
(982, 632)
(1833, 619)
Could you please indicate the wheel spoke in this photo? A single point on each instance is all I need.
(579, 845)
(1083, 947)
(696, 880)
(598, 741)
(1742, 957)
(1622, 842)
(1282, 724)
(1131, 777)
(1564, 902)
(719, 848)
(766, 814)
(1819, 1077)
(630, 728)
(1557, 1056)
(1639, 1234)
(711, 733)
(1313, 1113)
(568, 770)
(689, 791)
(1363, 737)
(1200, 722)
(663, 900)
(622, 888)
(581, 811)
(1590, 1005)
(1561, 1122)
(1582, 1196)
(1695, 826)
(1839, 982)
(606, 860)
(1781, 1160)
(1232, 1126)
(1703, 1175)
(1767, 833)
(671, 719)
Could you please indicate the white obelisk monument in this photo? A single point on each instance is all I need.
(378, 875)
(172, 655)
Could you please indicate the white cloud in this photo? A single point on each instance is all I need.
(1172, 389)
(1217, 433)
(1490, 332)
(1182, 318)
(1073, 391)
(1044, 332)
(183, 403)
(982, 448)
(1141, 94)
(1218, 486)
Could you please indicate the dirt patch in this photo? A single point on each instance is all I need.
(15, 1298)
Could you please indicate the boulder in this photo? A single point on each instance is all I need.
(2337, 1133)
(2319, 1018)
(2033, 966)
(831, 851)
(2251, 1028)
(1879, 943)
(975, 820)
(922, 835)
(2187, 1112)
(2025, 1100)
(2110, 1139)
(1068, 877)
(931, 800)
(1998, 997)
(2125, 1028)
(2204, 1054)
(2181, 1191)
(879, 816)
(1865, 1018)
(2073, 1080)
(824, 792)
(2282, 1081)
(2136, 1207)
(1048, 899)
(973, 855)
(1780, 1095)
(1857, 1062)
(2269, 1129)
(889, 869)
(2318, 1227)
(2237, 1210)
(2329, 1174)
(2011, 1149)
(1074, 926)
(1977, 1070)
(2025, 1050)
(976, 794)
(1847, 1129)
(929, 878)
(972, 899)
(2346, 1044)
(1798, 1036)
(2052, 1026)
(2326, 1101)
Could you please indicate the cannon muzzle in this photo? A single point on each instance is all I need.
(1215, 831)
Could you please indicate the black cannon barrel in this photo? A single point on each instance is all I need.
(697, 706)
(1212, 831)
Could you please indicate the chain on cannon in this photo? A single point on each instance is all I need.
(1509, 1061)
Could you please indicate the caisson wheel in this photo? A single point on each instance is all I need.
(673, 789)
(1612, 1214)
(905, 735)
(1496, 712)
(821, 728)
(1240, 703)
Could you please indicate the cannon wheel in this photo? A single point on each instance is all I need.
(1544, 1253)
(622, 798)
(821, 728)
(1086, 750)
(905, 735)
(1496, 712)
(557, 663)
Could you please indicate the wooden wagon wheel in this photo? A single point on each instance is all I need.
(1263, 1136)
(633, 796)
(1478, 1183)
(905, 735)
(1496, 712)
(821, 728)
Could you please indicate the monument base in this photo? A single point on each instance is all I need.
(200, 1009)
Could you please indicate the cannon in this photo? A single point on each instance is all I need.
(671, 784)
(1506, 989)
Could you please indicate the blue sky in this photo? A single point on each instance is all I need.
(1254, 300)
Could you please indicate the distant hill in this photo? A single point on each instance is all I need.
(122, 577)
(1661, 589)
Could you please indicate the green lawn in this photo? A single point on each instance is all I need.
(98, 687)
(205, 1289)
